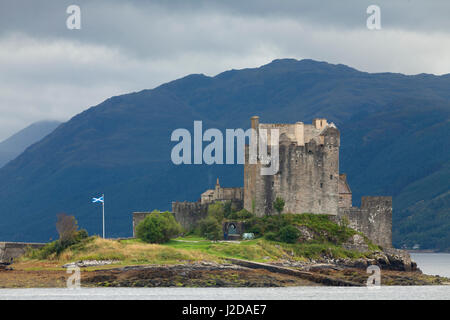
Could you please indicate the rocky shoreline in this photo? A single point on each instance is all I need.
(387, 259)
(396, 267)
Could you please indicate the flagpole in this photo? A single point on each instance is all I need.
(103, 206)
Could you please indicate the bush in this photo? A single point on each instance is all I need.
(240, 215)
(278, 204)
(217, 211)
(227, 209)
(289, 234)
(210, 228)
(272, 236)
(55, 248)
(69, 235)
(82, 234)
(158, 227)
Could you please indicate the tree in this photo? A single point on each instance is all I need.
(210, 228)
(217, 211)
(278, 204)
(158, 227)
(227, 209)
(67, 227)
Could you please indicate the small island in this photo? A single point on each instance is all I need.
(291, 250)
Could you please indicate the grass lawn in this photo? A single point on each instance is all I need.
(186, 250)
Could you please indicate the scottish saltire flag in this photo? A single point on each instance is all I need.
(98, 199)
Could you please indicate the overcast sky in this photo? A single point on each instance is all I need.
(50, 72)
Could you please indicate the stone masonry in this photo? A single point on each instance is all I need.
(13, 250)
(308, 177)
(373, 218)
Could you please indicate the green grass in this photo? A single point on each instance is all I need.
(264, 250)
(136, 252)
(190, 238)
(326, 242)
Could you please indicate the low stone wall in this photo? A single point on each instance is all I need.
(13, 250)
(374, 219)
(189, 213)
(138, 217)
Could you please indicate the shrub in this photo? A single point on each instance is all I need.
(227, 209)
(81, 234)
(240, 215)
(289, 234)
(254, 226)
(210, 228)
(158, 227)
(272, 236)
(278, 204)
(55, 248)
(217, 211)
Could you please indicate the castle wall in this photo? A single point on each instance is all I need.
(189, 213)
(307, 180)
(228, 193)
(345, 200)
(13, 250)
(374, 219)
(137, 218)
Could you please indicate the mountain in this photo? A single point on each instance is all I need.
(17, 143)
(394, 141)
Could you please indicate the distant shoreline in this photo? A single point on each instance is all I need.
(427, 251)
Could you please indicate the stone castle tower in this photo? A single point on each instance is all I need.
(308, 180)
(308, 176)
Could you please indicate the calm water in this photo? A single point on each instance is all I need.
(430, 263)
(290, 293)
(433, 263)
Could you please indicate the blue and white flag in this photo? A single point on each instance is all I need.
(98, 200)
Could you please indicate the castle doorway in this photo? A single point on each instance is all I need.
(232, 228)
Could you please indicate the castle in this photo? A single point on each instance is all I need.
(308, 180)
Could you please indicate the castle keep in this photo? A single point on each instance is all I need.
(308, 176)
(308, 180)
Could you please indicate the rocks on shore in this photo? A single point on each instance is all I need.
(388, 259)
(5, 266)
(90, 263)
(202, 265)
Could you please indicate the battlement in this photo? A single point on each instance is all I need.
(299, 132)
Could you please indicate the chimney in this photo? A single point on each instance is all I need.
(300, 133)
(255, 122)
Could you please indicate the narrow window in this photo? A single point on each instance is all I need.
(331, 177)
